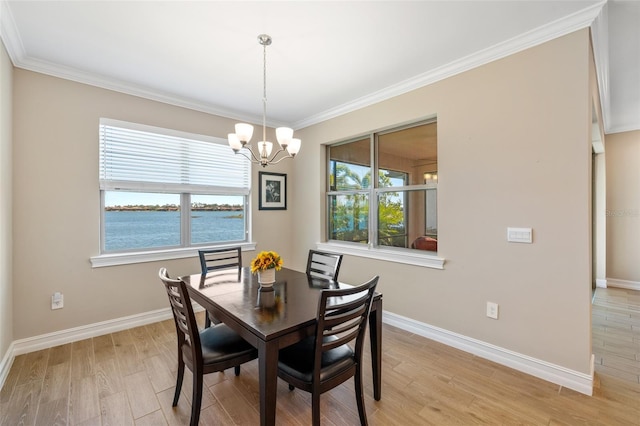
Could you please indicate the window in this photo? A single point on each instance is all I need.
(163, 189)
(397, 209)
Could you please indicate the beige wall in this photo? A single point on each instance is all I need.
(514, 149)
(57, 206)
(6, 297)
(623, 206)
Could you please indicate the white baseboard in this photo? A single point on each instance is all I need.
(577, 381)
(631, 285)
(601, 283)
(5, 364)
(580, 382)
(49, 340)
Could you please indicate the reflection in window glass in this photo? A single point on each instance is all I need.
(388, 178)
(350, 166)
(431, 228)
(349, 215)
(392, 219)
(216, 218)
(405, 158)
(135, 220)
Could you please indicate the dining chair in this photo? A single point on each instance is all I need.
(217, 259)
(323, 265)
(325, 360)
(213, 349)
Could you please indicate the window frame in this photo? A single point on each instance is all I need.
(373, 250)
(185, 192)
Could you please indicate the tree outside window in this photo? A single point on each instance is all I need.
(404, 203)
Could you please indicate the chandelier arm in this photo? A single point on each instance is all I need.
(254, 159)
(273, 156)
(246, 156)
(279, 160)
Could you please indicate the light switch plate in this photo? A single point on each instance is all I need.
(520, 235)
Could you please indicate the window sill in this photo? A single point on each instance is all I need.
(409, 257)
(114, 259)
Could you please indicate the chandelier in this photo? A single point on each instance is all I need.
(239, 141)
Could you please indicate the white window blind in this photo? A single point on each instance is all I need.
(137, 157)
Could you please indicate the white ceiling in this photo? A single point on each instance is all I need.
(327, 58)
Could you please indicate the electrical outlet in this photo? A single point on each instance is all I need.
(492, 310)
(57, 300)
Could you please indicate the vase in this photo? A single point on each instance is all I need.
(267, 277)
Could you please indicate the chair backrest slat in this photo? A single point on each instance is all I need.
(341, 340)
(323, 265)
(344, 322)
(183, 315)
(342, 318)
(214, 259)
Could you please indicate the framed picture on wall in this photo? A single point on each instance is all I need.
(272, 193)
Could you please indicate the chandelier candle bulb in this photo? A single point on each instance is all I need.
(294, 147)
(244, 132)
(234, 142)
(265, 148)
(284, 135)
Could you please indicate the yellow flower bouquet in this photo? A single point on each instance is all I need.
(266, 260)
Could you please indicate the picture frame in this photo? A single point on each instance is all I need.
(272, 193)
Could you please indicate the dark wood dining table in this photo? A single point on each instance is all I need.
(271, 318)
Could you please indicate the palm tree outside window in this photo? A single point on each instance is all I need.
(398, 207)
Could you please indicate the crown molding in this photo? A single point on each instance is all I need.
(600, 43)
(629, 127)
(576, 21)
(67, 73)
(9, 33)
(550, 31)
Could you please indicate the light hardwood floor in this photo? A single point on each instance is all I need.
(616, 333)
(128, 378)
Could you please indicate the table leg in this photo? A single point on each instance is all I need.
(268, 366)
(375, 334)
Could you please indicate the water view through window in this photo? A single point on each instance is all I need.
(134, 220)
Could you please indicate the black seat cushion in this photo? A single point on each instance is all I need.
(220, 343)
(297, 360)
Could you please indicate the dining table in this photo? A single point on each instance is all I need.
(273, 317)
